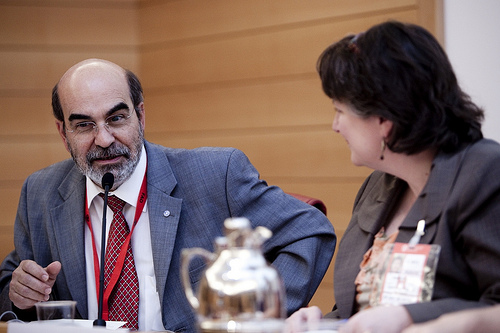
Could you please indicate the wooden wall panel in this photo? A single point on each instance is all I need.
(185, 21)
(293, 101)
(28, 72)
(68, 26)
(270, 54)
(36, 115)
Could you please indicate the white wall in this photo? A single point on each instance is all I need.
(472, 41)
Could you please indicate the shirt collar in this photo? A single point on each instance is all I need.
(129, 190)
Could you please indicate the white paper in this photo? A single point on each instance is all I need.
(56, 326)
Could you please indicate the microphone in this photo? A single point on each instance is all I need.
(107, 183)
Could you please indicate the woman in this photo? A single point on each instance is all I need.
(400, 109)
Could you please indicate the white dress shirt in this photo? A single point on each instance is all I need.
(149, 302)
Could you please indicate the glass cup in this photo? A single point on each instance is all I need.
(64, 311)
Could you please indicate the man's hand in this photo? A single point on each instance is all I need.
(301, 317)
(32, 283)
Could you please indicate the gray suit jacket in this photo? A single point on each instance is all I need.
(461, 207)
(200, 188)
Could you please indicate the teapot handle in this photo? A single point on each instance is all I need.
(186, 256)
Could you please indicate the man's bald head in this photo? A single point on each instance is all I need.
(91, 71)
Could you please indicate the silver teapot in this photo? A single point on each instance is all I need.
(239, 288)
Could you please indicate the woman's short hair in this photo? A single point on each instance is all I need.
(399, 72)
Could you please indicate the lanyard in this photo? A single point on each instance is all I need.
(141, 201)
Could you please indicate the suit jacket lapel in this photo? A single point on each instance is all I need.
(164, 213)
(68, 226)
(377, 204)
(432, 200)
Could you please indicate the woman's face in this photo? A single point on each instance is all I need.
(363, 135)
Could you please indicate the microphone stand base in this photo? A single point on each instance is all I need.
(100, 322)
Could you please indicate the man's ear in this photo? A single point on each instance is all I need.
(141, 114)
(62, 133)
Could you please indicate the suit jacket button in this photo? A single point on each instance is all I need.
(166, 213)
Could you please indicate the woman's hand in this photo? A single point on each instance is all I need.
(381, 319)
(484, 320)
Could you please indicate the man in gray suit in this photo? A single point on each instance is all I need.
(100, 117)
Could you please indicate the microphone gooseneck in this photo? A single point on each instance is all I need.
(107, 183)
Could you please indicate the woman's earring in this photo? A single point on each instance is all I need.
(382, 150)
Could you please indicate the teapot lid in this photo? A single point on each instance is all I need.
(236, 223)
(240, 234)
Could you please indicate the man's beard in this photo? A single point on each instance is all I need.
(121, 172)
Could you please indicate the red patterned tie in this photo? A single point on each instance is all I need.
(123, 302)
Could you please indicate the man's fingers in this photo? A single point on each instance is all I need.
(300, 318)
(27, 286)
(53, 270)
(31, 283)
